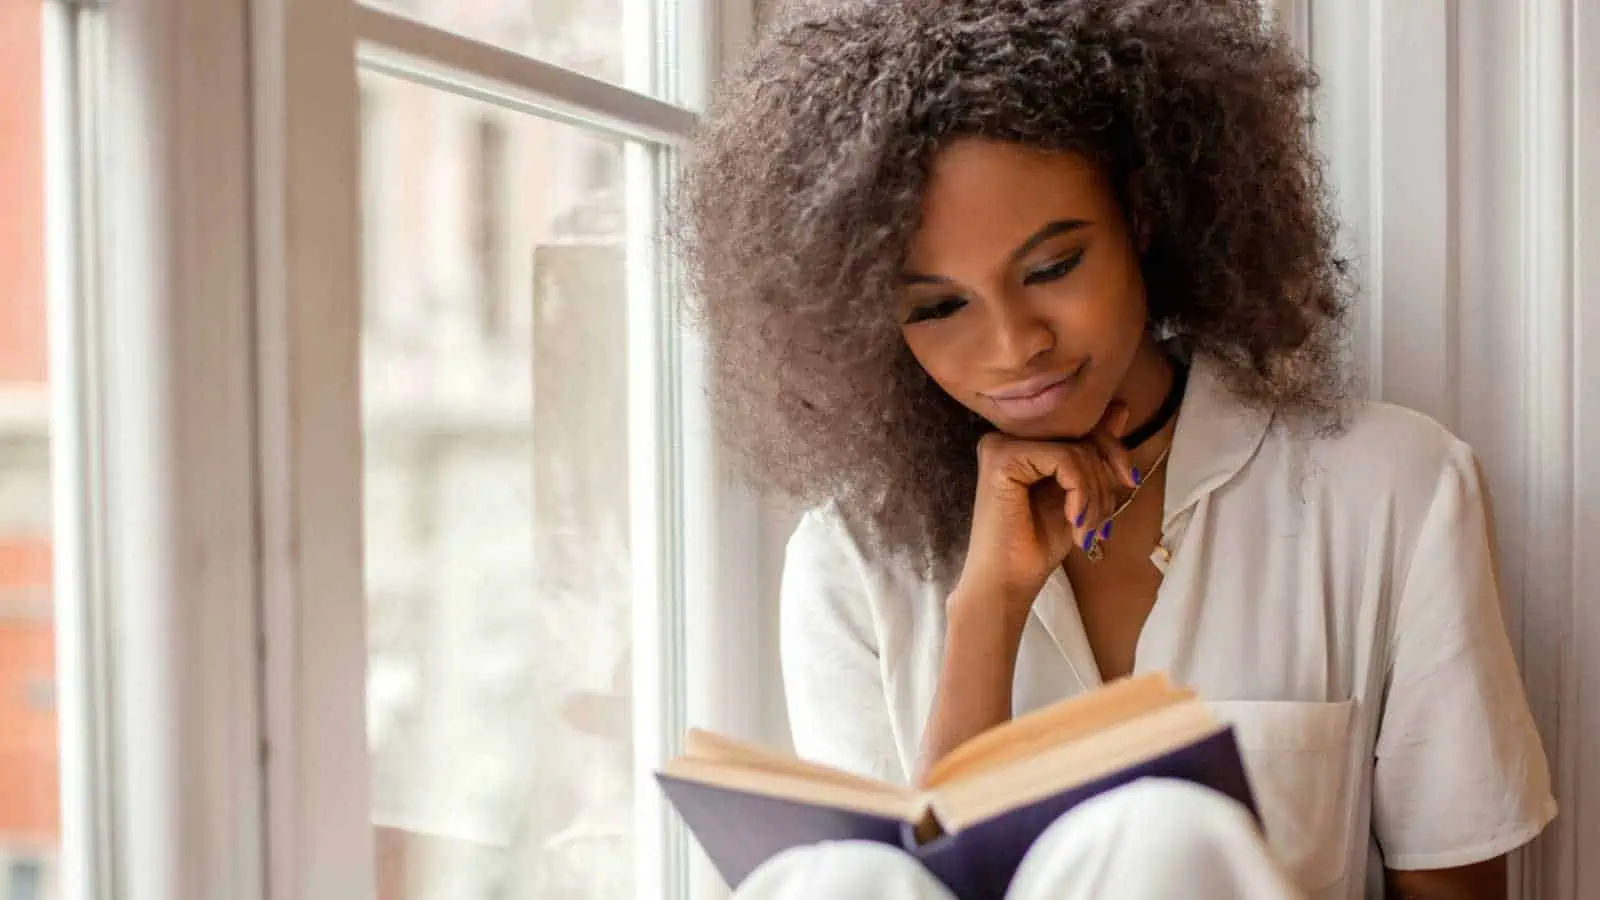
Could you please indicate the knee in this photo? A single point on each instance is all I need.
(1165, 801)
(1174, 819)
(848, 870)
(1152, 838)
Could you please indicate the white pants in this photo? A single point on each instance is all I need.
(1152, 838)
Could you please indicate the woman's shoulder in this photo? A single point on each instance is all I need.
(833, 543)
(824, 530)
(1397, 432)
(1382, 452)
(835, 584)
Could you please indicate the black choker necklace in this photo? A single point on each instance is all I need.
(1169, 408)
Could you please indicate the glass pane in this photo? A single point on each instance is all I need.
(588, 36)
(496, 479)
(29, 805)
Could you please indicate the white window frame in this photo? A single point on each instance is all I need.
(149, 275)
(205, 351)
(305, 101)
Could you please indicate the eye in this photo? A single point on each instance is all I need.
(1055, 270)
(942, 308)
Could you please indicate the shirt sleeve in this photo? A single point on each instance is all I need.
(1460, 775)
(838, 708)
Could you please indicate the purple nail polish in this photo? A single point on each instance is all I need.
(1088, 542)
(1081, 516)
(1106, 531)
(1137, 478)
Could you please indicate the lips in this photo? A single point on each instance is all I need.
(1033, 387)
(1038, 396)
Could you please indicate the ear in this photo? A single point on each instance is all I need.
(1138, 219)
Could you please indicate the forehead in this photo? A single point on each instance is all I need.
(986, 197)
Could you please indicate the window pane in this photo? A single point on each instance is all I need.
(588, 36)
(498, 575)
(29, 805)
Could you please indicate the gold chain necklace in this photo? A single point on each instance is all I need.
(1095, 553)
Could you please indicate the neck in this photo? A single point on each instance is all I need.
(1143, 390)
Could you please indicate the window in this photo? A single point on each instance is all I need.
(531, 446)
(498, 523)
(586, 36)
(25, 881)
(377, 447)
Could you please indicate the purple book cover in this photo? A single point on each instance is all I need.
(741, 830)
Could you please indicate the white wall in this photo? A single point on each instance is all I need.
(1457, 146)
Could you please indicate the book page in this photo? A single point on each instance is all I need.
(1069, 765)
(872, 800)
(1045, 729)
(709, 747)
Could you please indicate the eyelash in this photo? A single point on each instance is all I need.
(949, 306)
(939, 309)
(1055, 271)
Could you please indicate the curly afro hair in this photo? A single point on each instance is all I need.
(802, 193)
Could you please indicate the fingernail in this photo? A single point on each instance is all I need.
(1106, 531)
(1088, 542)
(1137, 478)
(1081, 516)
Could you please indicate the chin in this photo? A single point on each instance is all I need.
(1064, 425)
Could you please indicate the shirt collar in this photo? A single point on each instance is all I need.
(1215, 437)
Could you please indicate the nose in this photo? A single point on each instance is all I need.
(1021, 336)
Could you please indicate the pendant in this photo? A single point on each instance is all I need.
(1095, 552)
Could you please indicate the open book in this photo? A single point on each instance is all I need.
(981, 807)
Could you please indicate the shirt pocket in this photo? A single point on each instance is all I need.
(1298, 758)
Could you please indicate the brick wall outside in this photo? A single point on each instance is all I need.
(28, 761)
(29, 809)
(22, 340)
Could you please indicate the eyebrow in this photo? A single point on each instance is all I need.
(1060, 226)
(1053, 229)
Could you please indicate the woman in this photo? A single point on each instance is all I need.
(1037, 305)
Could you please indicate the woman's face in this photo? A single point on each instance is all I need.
(1022, 296)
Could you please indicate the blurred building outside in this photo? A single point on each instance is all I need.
(29, 808)
(495, 399)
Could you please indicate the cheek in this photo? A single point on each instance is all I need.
(1106, 312)
(943, 359)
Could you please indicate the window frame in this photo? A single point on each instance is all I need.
(315, 683)
(82, 645)
(209, 457)
(148, 288)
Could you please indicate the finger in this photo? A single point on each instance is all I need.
(1078, 469)
(1078, 502)
(1085, 471)
(1050, 512)
(1075, 510)
(1024, 463)
(1114, 419)
(1104, 479)
(1061, 464)
(1107, 438)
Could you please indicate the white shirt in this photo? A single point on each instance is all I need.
(1334, 598)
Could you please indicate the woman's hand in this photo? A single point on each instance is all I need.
(1036, 501)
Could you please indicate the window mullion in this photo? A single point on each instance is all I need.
(401, 47)
(178, 517)
(307, 353)
(82, 616)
